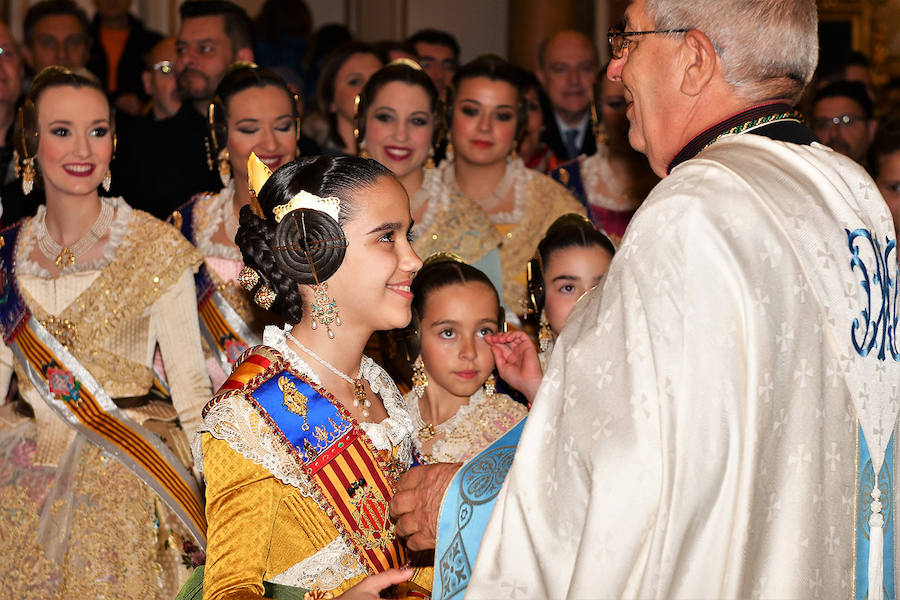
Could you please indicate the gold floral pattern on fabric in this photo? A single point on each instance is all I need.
(472, 429)
(149, 261)
(459, 226)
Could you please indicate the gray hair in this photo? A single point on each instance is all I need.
(769, 48)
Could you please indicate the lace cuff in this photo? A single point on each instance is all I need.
(325, 570)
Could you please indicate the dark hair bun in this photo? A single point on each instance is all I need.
(309, 245)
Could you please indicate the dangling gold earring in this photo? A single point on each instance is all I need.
(224, 166)
(107, 180)
(429, 160)
(363, 151)
(28, 174)
(449, 152)
(419, 377)
(324, 309)
(545, 334)
(513, 155)
(490, 386)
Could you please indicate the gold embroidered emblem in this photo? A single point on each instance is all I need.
(370, 511)
(294, 401)
(321, 434)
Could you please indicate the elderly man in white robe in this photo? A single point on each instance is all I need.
(713, 419)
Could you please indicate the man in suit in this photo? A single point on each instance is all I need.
(567, 68)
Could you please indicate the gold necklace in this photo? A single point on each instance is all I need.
(65, 257)
(359, 388)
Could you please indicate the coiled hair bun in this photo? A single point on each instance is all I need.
(307, 245)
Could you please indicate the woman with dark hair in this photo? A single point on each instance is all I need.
(535, 153)
(455, 407)
(486, 118)
(302, 445)
(614, 181)
(344, 74)
(571, 260)
(397, 123)
(96, 489)
(253, 111)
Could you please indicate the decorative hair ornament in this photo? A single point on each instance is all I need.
(258, 173)
(264, 297)
(407, 62)
(248, 278)
(331, 205)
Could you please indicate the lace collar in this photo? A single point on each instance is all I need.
(395, 429)
(26, 266)
(215, 211)
(515, 169)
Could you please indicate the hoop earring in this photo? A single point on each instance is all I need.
(224, 166)
(545, 334)
(107, 180)
(490, 386)
(419, 377)
(324, 309)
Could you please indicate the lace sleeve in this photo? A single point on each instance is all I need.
(235, 422)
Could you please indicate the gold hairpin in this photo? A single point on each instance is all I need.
(258, 173)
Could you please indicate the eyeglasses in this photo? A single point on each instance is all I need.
(618, 39)
(165, 67)
(839, 121)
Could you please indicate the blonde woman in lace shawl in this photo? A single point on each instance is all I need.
(486, 118)
(303, 443)
(614, 181)
(93, 503)
(253, 111)
(397, 121)
(455, 407)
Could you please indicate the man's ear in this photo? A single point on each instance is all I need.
(539, 72)
(244, 54)
(701, 62)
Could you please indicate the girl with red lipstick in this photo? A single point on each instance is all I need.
(486, 115)
(396, 125)
(253, 111)
(96, 491)
(455, 407)
(302, 445)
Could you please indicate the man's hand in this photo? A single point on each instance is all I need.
(416, 506)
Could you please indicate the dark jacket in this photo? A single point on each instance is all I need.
(553, 138)
(140, 41)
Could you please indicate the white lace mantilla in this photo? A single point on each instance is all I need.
(236, 422)
(26, 266)
(324, 570)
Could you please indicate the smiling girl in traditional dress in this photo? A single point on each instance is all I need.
(304, 441)
(455, 407)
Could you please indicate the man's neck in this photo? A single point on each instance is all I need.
(572, 119)
(201, 106)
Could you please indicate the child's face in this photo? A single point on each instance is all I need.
(454, 322)
(568, 274)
